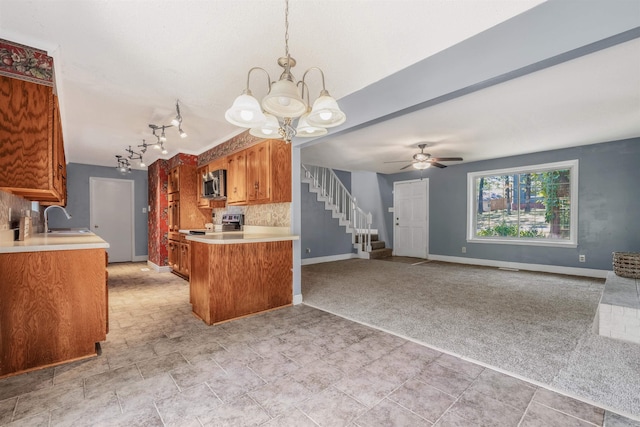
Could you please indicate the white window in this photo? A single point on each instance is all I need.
(531, 205)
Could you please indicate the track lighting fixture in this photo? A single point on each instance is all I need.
(124, 166)
(175, 122)
(137, 156)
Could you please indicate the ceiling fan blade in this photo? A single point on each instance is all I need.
(446, 159)
(438, 165)
(406, 166)
(398, 161)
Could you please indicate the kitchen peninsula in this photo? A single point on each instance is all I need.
(53, 300)
(238, 273)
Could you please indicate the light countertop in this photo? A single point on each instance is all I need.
(250, 234)
(54, 242)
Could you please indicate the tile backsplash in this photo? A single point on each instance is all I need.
(19, 207)
(272, 215)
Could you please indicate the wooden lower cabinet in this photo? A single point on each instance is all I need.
(179, 258)
(234, 280)
(53, 308)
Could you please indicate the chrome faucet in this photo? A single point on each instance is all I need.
(46, 216)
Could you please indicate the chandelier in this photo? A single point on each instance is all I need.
(285, 101)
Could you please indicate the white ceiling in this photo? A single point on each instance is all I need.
(121, 65)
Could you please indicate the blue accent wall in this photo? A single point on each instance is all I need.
(78, 200)
(320, 231)
(608, 206)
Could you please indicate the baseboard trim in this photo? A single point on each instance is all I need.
(330, 258)
(557, 269)
(159, 269)
(297, 299)
(140, 258)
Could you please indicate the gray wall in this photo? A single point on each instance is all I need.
(78, 200)
(368, 192)
(608, 206)
(320, 231)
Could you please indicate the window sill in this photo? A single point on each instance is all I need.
(521, 242)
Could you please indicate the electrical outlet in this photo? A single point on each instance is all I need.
(464, 249)
(144, 210)
(582, 258)
(308, 250)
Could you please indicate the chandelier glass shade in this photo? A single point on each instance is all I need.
(307, 130)
(285, 102)
(268, 129)
(245, 112)
(326, 113)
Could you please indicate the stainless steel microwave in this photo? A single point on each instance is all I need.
(214, 185)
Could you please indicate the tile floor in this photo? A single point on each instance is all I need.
(296, 366)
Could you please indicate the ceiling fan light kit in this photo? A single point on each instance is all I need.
(421, 165)
(424, 160)
(285, 102)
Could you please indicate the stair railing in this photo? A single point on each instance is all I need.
(337, 195)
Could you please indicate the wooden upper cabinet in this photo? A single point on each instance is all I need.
(263, 170)
(279, 171)
(32, 161)
(236, 178)
(173, 181)
(59, 161)
(258, 176)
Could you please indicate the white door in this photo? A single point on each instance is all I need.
(111, 215)
(411, 225)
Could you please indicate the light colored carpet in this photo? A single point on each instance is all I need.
(535, 325)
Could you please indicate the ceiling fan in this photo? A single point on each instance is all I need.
(424, 160)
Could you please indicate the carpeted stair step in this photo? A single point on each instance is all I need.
(380, 253)
(375, 244)
(374, 238)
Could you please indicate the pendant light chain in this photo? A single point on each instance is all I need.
(286, 28)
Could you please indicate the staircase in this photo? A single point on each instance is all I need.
(343, 206)
(378, 248)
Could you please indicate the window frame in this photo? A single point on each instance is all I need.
(472, 197)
